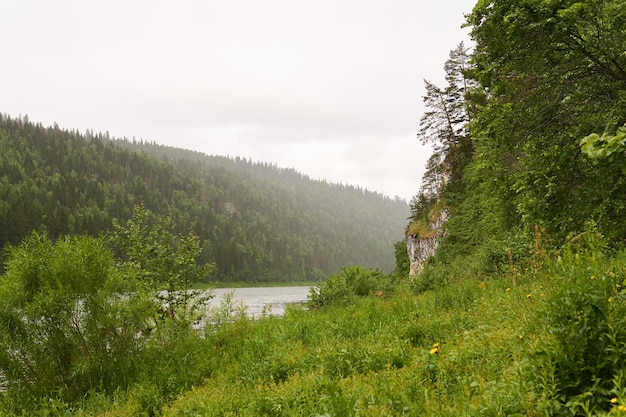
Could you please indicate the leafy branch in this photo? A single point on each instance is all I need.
(606, 146)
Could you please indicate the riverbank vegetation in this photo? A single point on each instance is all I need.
(546, 338)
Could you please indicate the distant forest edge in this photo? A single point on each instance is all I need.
(256, 221)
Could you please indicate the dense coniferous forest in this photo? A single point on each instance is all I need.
(256, 221)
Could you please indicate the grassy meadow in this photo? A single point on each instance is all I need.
(546, 339)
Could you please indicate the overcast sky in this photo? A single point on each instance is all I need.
(332, 88)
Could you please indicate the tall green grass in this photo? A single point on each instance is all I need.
(502, 346)
(546, 340)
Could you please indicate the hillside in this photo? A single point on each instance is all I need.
(256, 221)
(531, 141)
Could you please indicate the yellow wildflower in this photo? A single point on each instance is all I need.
(621, 408)
(435, 349)
(529, 295)
(614, 400)
(508, 290)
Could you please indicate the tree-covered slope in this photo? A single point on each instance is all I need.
(257, 222)
(511, 160)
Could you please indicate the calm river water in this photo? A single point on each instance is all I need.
(273, 299)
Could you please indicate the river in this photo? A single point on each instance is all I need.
(272, 300)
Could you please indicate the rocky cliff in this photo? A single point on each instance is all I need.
(422, 239)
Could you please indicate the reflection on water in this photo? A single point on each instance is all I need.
(272, 299)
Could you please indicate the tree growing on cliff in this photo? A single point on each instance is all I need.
(445, 124)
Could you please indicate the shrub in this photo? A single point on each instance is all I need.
(75, 321)
(586, 316)
(350, 282)
(434, 275)
(67, 323)
(164, 263)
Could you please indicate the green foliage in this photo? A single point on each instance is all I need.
(69, 322)
(446, 125)
(76, 322)
(605, 146)
(402, 261)
(566, 78)
(549, 341)
(541, 75)
(347, 285)
(585, 315)
(435, 275)
(163, 262)
(445, 122)
(376, 357)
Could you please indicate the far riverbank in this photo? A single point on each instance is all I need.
(248, 284)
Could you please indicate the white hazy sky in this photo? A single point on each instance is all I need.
(332, 88)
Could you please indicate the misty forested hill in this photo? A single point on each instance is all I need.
(258, 222)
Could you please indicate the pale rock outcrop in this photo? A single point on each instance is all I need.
(421, 246)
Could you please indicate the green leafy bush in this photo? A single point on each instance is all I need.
(586, 317)
(434, 275)
(68, 323)
(163, 263)
(345, 286)
(76, 322)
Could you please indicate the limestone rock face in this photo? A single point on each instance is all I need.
(420, 246)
